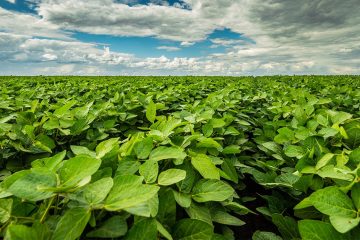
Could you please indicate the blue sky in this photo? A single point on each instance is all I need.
(149, 46)
(182, 37)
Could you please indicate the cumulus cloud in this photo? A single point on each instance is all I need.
(70, 69)
(20, 48)
(161, 21)
(307, 31)
(62, 51)
(187, 44)
(26, 24)
(228, 42)
(169, 48)
(119, 19)
(310, 36)
(166, 63)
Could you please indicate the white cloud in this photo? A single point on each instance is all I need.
(344, 70)
(228, 42)
(65, 69)
(161, 21)
(70, 69)
(310, 36)
(187, 44)
(186, 64)
(11, 1)
(49, 56)
(26, 24)
(89, 59)
(20, 48)
(14, 47)
(168, 48)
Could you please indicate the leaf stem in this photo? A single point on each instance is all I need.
(42, 219)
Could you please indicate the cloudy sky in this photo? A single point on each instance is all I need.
(179, 37)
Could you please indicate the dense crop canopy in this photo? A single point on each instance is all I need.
(207, 158)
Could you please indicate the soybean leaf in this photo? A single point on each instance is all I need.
(261, 235)
(42, 230)
(232, 149)
(324, 160)
(209, 143)
(207, 129)
(78, 150)
(106, 146)
(163, 231)
(205, 166)
(340, 117)
(9, 180)
(167, 208)
(328, 132)
(72, 224)
(294, 151)
(192, 229)
(77, 168)
(113, 227)
(272, 146)
(171, 176)
(200, 212)
(353, 131)
(21, 232)
(94, 193)
(64, 109)
(217, 123)
(101, 173)
(149, 170)
(145, 209)
(151, 111)
(143, 148)
(127, 167)
(183, 199)
(332, 201)
(191, 177)
(287, 226)
(344, 224)
(5, 209)
(162, 153)
(128, 191)
(315, 230)
(211, 190)
(45, 143)
(229, 169)
(330, 171)
(145, 229)
(355, 195)
(219, 215)
(32, 186)
(52, 163)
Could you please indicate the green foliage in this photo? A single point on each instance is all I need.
(313, 229)
(180, 157)
(151, 111)
(113, 227)
(211, 190)
(205, 166)
(171, 176)
(192, 229)
(128, 191)
(72, 224)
